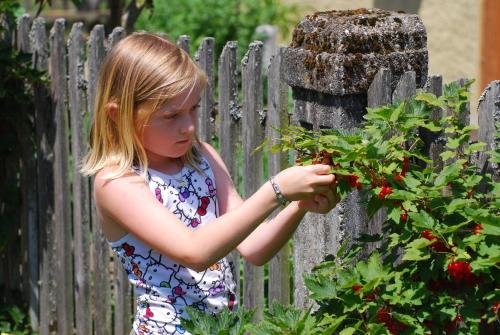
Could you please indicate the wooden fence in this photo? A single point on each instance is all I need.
(68, 275)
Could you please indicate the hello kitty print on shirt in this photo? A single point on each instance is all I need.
(163, 287)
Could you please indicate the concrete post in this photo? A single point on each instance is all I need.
(330, 64)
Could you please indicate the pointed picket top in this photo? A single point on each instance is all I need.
(95, 54)
(379, 92)
(116, 35)
(405, 88)
(183, 42)
(39, 44)
(23, 33)
(205, 59)
(488, 111)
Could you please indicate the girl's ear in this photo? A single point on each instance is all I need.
(112, 110)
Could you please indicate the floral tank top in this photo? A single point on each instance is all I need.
(164, 287)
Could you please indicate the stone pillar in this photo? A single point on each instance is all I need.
(330, 65)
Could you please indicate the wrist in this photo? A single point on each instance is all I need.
(280, 198)
(300, 206)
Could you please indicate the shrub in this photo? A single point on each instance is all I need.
(437, 268)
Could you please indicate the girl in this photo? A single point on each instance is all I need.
(165, 200)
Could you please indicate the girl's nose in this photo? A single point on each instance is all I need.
(188, 126)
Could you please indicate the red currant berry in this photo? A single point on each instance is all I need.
(352, 180)
(478, 228)
(356, 287)
(496, 307)
(398, 177)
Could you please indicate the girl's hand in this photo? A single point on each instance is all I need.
(320, 203)
(304, 182)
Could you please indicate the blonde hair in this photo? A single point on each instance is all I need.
(141, 67)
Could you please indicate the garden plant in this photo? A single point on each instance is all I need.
(435, 268)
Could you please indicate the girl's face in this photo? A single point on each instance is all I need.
(171, 129)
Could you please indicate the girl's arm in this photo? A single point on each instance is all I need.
(128, 203)
(269, 237)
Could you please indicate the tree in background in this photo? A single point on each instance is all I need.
(225, 20)
(121, 12)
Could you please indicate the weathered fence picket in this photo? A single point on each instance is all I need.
(252, 136)
(405, 88)
(101, 253)
(62, 210)
(205, 59)
(28, 175)
(379, 94)
(98, 282)
(81, 193)
(44, 130)
(277, 116)
(122, 289)
(116, 35)
(433, 143)
(183, 42)
(230, 115)
(488, 118)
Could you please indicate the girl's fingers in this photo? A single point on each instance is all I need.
(323, 204)
(320, 168)
(321, 189)
(333, 198)
(326, 179)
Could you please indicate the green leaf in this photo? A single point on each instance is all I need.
(348, 331)
(474, 148)
(404, 318)
(451, 229)
(490, 229)
(493, 250)
(376, 150)
(422, 219)
(432, 127)
(413, 252)
(16, 314)
(484, 263)
(372, 270)
(431, 99)
(449, 173)
(394, 240)
(262, 145)
(394, 214)
(419, 243)
(490, 221)
(456, 204)
(226, 322)
(374, 204)
(411, 182)
(321, 287)
(447, 155)
(453, 143)
(331, 323)
(395, 114)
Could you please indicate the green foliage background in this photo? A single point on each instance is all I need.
(225, 20)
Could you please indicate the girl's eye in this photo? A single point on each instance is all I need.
(170, 117)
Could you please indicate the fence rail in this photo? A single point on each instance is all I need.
(71, 281)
